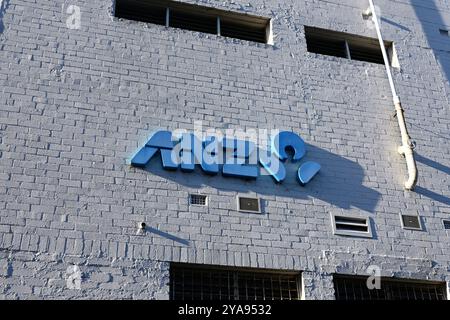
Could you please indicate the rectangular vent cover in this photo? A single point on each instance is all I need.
(446, 224)
(411, 222)
(351, 226)
(246, 204)
(197, 18)
(344, 45)
(201, 282)
(198, 199)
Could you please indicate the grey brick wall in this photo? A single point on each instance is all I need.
(27, 275)
(75, 104)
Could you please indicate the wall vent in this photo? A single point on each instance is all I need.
(344, 45)
(444, 32)
(446, 224)
(247, 204)
(355, 226)
(197, 18)
(198, 199)
(411, 222)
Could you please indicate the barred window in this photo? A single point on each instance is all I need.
(200, 282)
(196, 17)
(344, 45)
(355, 288)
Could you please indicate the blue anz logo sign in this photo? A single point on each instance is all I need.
(232, 156)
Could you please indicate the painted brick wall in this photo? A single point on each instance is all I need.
(75, 104)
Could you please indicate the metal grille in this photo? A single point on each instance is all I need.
(194, 282)
(354, 226)
(350, 223)
(197, 199)
(355, 288)
(248, 204)
(411, 222)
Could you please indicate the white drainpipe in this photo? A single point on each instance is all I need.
(406, 149)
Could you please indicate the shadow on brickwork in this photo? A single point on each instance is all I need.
(426, 192)
(431, 19)
(339, 183)
(431, 163)
(395, 24)
(3, 6)
(433, 195)
(167, 236)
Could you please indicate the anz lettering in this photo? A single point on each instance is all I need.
(232, 156)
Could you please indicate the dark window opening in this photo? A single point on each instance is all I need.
(446, 224)
(344, 45)
(329, 47)
(141, 11)
(242, 29)
(191, 21)
(366, 53)
(196, 18)
(355, 288)
(200, 282)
